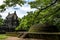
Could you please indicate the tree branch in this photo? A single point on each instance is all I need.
(40, 10)
(52, 14)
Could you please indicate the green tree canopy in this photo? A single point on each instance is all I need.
(48, 11)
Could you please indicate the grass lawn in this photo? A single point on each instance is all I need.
(3, 36)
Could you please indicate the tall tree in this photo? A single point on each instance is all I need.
(47, 12)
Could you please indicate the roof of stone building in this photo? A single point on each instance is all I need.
(10, 15)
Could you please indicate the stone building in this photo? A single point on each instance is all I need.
(11, 21)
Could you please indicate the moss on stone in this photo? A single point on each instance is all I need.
(43, 28)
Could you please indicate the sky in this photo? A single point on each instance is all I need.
(21, 11)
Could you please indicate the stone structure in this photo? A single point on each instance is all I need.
(43, 28)
(11, 21)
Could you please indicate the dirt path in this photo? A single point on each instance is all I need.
(12, 38)
(16, 38)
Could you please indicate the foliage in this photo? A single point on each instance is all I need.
(1, 20)
(40, 3)
(10, 3)
(49, 15)
(48, 11)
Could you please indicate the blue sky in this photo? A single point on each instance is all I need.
(21, 11)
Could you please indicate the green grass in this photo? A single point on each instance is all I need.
(14, 34)
(3, 36)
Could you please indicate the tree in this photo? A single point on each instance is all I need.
(39, 4)
(47, 12)
(49, 9)
(1, 20)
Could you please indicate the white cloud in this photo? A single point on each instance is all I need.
(21, 11)
(26, 7)
(4, 15)
(1, 2)
(29, 0)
